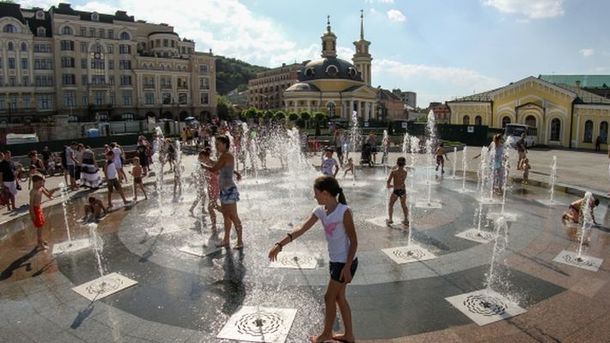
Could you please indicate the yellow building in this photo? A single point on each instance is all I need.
(335, 86)
(563, 115)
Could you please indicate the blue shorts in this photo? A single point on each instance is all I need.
(336, 268)
(229, 195)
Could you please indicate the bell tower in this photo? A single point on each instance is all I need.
(329, 42)
(362, 58)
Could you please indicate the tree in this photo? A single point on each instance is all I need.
(293, 116)
(268, 115)
(319, 117)
(279, 115)
(224, 109)
(305, 117)
(251, 113)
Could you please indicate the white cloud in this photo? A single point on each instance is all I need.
(44, 4)
(532, 9)
(396, 15)
(226, 26)
(587, 52)
(443, 83)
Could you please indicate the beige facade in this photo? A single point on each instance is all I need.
(266, 91)
(562, 115)
(95, 66)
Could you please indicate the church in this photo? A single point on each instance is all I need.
(335, 86)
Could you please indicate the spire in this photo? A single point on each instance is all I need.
(361, 24)
(328, 23)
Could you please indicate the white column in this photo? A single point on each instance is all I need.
(351, 109)
(375, 111)
(359, 108)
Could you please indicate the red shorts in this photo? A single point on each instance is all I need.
(38, 217)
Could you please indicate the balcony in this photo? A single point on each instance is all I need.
(166, 86)
(149, 86)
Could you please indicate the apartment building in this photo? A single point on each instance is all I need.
(98, 67)
(266, 91)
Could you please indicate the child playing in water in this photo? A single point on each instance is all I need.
(212, 182)
(36, 214)
(338, 223)
(136, 172)
(575, 212)
(329, 163)
(441, 155)
(396, 180)
(524, 165)
(94, 209)
(112, 174)
(348, 167)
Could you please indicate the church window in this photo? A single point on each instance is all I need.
(555, 129)
(351, 72)
(309, 72)
(588, 138)
(332, 71)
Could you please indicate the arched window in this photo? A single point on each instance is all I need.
(588, 138)
(95, 16)
(332, 71)
(555, 129)
(40, 15)
(478, 120)
(124, 36)
(10, 46)
(41, 31)
(24, 47)
(9, 28)
(466, 120)
(67, 30)
(505, 120)
(531, 121)
(331, 109)
(603, 132)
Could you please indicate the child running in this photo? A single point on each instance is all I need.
(338, 223)
(396, 180)
(348, 167)
(575, 212)
(112, 175)
(136, 172)
(36, 213)
(524, 165)
(441, 156)
(329, 163)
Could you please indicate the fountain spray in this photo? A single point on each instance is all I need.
(64, 205)
(586, 222)
(464, 167)
(553, 179)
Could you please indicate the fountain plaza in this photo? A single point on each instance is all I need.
(463, 272)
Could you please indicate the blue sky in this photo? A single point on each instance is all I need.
(438, 48)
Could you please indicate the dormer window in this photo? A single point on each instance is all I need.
(40, 15)
(309, 72)
(41, 31)
(332, 71)
(351, 72)
(95, 16)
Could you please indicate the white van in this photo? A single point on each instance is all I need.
(21, 138)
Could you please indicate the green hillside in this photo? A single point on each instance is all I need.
(232, 73)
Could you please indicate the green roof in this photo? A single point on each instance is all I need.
(586, 81)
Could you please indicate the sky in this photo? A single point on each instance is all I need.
(440, 49)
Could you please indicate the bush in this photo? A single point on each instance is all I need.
(279, 115)
(293, 116)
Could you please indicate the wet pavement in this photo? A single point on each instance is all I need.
(185, 298)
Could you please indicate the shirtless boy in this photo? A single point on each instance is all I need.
(396, 180)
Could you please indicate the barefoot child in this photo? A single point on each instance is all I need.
(112, 175)
(94, 209)
(136, 172)
(441, 156)
(396, 180)
(524, 165)
(212, 182)
(337, 220)
(575, 212)
(36, 213)
(329, 163)
(349, 167)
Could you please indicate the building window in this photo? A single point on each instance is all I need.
(26, 101)
(84, 79)
(112, 99)
(12, 81)
(83, 31)
(124, 36)
(97, 64)
(83, 63)
(111, 64)
(125, 64)
(505, 120)
(9, 28)
(110, 48)
(44, 102)
(466, 120)
(67, 45)
(24, 47)
(99, 98)
(25, 81)
(67, 62)
(478, 120)
(110, 34)
(149, 98)
(101, 33)
(11, 63)
(166, 98)
(125, 80)
(603, 132)
(332, 71)
(530, 121)
(182, 98)
(165, 43)
(95, 16)
(92, 32)
(98, 79)
(85, 100)
(124, 49)
(588, 138)
(40, 15)
(42, 48)
(67, 31)
(68, 79)
(83, 47)
(10, 46)
(43, 81)
(127, 98)
(204, 83)
(69, 99)
(203, 69)
(555, 129)
(204, 98)
(24, 63)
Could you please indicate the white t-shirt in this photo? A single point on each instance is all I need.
(117, 157)
(338, 242)
(111, 172)
(69, 156)
(328, 165)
